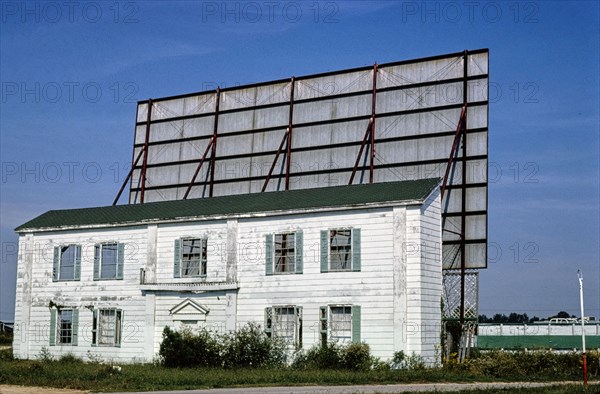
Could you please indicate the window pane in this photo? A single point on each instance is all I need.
(340, 325)
(109, 261)
(284, 324)
(340, 250)
(65, 324)
(67, 262)
(107, 324)
(193, 257)
(285, 256)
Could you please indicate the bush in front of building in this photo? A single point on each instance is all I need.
(352, 356)
(188, 349)
(248, 347)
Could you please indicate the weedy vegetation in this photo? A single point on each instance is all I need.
(205, 359)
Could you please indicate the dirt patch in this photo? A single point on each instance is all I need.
(8, 389)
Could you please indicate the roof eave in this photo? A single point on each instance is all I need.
(182, 219)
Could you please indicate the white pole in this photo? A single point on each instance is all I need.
(580, 276)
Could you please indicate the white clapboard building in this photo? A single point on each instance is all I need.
(358, 263)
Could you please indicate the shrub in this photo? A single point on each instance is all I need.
(45, 355)
(186, 349)
(356, 357)
(69, 358)
(250, 347)
(353, 356)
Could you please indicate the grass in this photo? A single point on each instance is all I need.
(69, 372)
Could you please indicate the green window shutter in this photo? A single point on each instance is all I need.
(77, 274)
(323, 325)
(177, 259)
(97, 261)
(52, 327)
(269, 321)
(299, 252)
(120, 260)
(356, 249)
(55, 263)
(356, 324)
(269, 254)
(324, 250)
(75, 327)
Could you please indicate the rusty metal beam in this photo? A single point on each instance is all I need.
(128, 176)
(191, 184)
(290, 131)
(145, 162)
(453, 150)
(283, 140)
(360, 151)
(213, 155)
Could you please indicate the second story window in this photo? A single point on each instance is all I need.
(190, 257)
(283, 253)
(108, 260)
(67, 262)
(340, 250)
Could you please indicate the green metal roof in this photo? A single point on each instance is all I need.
(325, 197)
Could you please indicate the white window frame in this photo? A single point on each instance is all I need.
(60, 338)
(101, 260)
(60, 261)
(289, 259)
(97, 327)
(348, 253)
(275, 319)
(203, 262)
(333, 331)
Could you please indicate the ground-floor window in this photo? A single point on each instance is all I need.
(340, 324)
(64, 325)
(107, 327)
(285, 322)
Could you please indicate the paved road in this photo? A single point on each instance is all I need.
(393, 388)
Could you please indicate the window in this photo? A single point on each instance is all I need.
(190, 257)
(106, 327)
(340, 323)
(67, 262)
(285, 322)
(64, 325)
(283, 253)
(340, 250)
(108, 260)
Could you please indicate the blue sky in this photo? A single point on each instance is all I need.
(71, 75)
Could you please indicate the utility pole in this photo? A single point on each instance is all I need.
(580, 276)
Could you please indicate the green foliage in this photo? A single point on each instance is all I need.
(45, 355)
(412, 362)
(353, 356)
(6, 338)
(248, 347)
(6, 355)
(527, 365)
(356, 357)
(70, 358)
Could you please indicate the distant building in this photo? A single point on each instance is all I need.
(357, 263)
(558, 334)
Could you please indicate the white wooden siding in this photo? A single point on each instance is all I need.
(398, 287)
